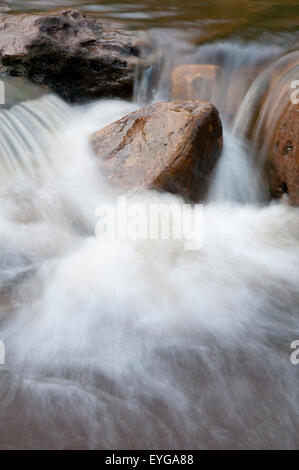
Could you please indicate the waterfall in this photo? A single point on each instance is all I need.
(27, 132)
(237, 179)
(124, 344)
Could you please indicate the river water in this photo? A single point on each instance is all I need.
(142, 344)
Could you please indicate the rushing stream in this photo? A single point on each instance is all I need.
(141, 344)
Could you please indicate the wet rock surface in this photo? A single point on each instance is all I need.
(171, 147)
(79, 57)
(275, 129)
(283, 165)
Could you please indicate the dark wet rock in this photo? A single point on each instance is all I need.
(79, 57)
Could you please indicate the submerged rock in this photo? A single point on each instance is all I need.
(192, 82)
(4, 7)
(222, 86)
(77, 56)
(167, 146)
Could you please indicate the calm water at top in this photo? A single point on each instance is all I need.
(206, 18)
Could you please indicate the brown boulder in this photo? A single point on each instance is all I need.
(78, 56)
(167, 146)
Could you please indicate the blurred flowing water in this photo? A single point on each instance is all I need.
(141, 344)
(204, 18)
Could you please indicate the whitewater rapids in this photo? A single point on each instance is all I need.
(141, 344)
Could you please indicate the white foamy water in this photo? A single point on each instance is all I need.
(141, 344)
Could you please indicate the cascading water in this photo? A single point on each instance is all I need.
(276, 96)
(27, 133)
(139, 344)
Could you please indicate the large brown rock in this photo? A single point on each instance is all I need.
(78, 56)
(167, 146)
